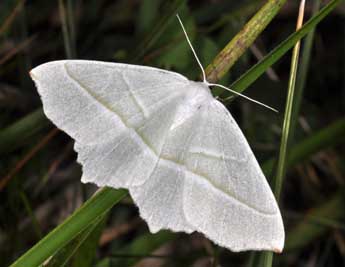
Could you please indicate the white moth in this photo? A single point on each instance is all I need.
(166, 139)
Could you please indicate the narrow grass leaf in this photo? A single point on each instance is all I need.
(11, 17)
(28, 208)
(96, 206)
(252, 74)
(302, 74)
(257, 70)
(66, 30)
(277, 183)
(317, 222)
(71, 26)
(74, 254)
(143, 245)
(156, 32)
(17, 49)
(17, 133)
(26, 158)
(267, 257)
(239, 44)
(326, 137)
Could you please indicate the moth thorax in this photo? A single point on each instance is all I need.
(199, 92)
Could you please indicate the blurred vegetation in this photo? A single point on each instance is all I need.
(40, 180)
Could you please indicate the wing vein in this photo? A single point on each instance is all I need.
(93, 96)
(134, 97)
(228, 192)
(89, 92)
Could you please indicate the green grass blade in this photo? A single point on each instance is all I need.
(81, 249)
(148, 12)
(107, 197)
(277, 182)
(316, 222)
(157, 31)
(66, 31)
(239, 44)
(328, 136)
(28, 208)
(86, 252)
(5, 25)
(257, 70)
(241, 84)
(143, 245)
(267, 257)
(71, 26)
(23, 129)
(302, 74)
(71, 227)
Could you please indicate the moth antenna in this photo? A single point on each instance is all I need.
(244, 96)
(191, 47)
(215, 84)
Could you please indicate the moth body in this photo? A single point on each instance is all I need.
(179, 152)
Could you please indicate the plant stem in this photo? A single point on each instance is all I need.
(282, 161)
(65, 30)
(288, 111)
(258, 69)
(239, 85)
(302, 74)
(34, 221)
(239, 44)
(328, 136)
(157, 31)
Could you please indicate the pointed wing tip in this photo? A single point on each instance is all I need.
(277, 250)
(277, 245)
(37, 72)
(32, 75)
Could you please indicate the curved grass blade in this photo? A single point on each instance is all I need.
(239, 85)
(98, 201)
(108, 197)
(18, 132)
(143, 245)
(257, 70)
(81, 250)
(96, 206)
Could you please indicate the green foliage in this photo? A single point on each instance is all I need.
(143, 245)
(88, 214)
(81, 250)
